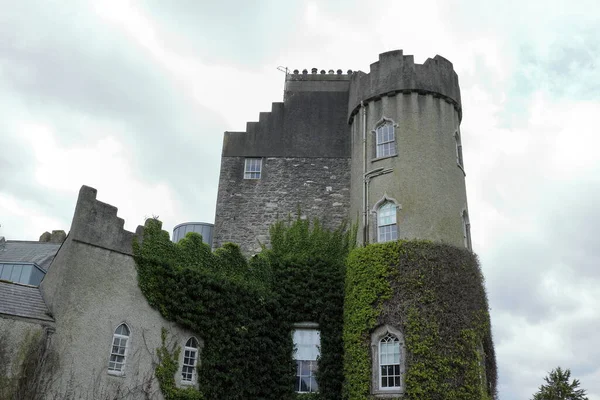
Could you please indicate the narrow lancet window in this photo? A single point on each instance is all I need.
(387, 228)
(118, 352)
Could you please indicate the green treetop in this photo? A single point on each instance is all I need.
(558, 387)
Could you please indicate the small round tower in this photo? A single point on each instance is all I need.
(407, 172)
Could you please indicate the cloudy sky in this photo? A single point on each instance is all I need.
(133, 97)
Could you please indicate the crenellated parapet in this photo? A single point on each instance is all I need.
(96, 223)
(396, 73)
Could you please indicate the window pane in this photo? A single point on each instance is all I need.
(314, 386)
(307, 343)
(304, 384)
(122, 330)
(252, 168)
(6, 272)
(16, 273)
(26, 274)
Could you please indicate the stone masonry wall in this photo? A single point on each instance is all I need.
(246, 208)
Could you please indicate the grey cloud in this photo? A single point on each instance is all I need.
(232, 31)
(86, 72)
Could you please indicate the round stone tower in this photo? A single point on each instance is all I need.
(407, 172)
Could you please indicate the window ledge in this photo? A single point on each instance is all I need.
(461, 168)
(383, 158)
(117, 373)
(388, 393)
(187, 383)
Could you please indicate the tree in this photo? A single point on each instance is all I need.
(557, 387)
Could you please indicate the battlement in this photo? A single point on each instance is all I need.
(97, 223)
(316, 75)
(397, 73)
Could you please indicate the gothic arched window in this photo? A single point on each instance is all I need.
(388, 352)
(385, 140)
(190, 360)
(389, 362)
(387, 228)
(118, 351)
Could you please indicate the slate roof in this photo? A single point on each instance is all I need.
(41, 253)
(22, 301)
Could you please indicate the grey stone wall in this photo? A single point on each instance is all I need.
(425, 180)
(14, 332)
(246, 208)
(91, 288)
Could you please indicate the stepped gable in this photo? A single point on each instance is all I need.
(397, 73)
(96, 223)
(311, 122)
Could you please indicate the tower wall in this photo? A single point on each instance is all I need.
(304, 146)
(425, 182)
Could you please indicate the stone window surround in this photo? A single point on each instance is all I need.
(374, 215)
(384, 120)
(378, 334)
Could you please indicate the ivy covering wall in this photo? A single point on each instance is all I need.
(245, 310)
(434, 294)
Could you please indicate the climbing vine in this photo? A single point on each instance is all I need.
(167, 368)
(434, 294)
(245, 310)
(308, 264)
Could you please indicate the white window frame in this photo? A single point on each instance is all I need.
(382, 236)
(459, 152)
(466, 225)
(381, 146)
(190, 352)
(395, 374)
(250, 171)
(376, 384)
(114, 356)
(312, 362)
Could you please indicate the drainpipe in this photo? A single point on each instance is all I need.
(365, 183)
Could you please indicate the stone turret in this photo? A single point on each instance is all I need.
(405, 128)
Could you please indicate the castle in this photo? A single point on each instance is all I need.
(381, 150)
